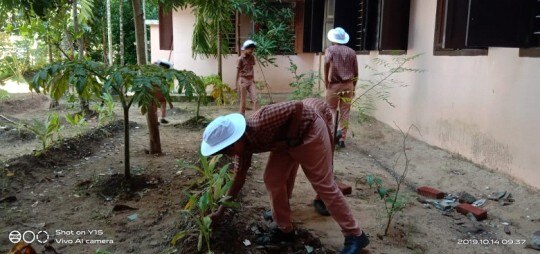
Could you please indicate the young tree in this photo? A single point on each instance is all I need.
(90, 78)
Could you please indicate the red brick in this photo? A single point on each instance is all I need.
(479, 213)
(345, 189)
(429, 192)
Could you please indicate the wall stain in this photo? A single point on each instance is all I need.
(479, 147)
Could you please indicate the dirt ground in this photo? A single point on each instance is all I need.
(76, 188)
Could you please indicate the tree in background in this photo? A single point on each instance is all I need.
(213, 25)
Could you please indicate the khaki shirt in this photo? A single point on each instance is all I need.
(245, 65)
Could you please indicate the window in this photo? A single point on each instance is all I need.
(313, 26)
(372, 24)
(469, 27)
(232, 38)
(451, 29)
(165, 29)
(533, 50)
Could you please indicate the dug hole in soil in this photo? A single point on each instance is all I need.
(78, 186)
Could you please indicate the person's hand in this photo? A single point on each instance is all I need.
(170, 105)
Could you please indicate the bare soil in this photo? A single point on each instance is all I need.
(77, 186)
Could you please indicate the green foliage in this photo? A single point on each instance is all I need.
(105, 110)
(275, 27)
(4, 95)
(393, 202)
(57, 78)
(303, 83)
(381, 82)
(44, 130)
(212, 23)
(77, 120)
(221, 92)
(215, 183)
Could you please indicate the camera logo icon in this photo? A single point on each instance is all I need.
(15, 236)
(28, 236)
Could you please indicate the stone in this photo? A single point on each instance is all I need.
(465, 197)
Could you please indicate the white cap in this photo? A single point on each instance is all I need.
(248, 43)
(338, 35)
(164, 64)
(222, 132)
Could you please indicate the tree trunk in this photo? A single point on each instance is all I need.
(54, 103)
(145, 35)
(121, 26)
(151, 118)
(220, 67)
(104, 42)
(127, 165)
(153, 129)
(109, 33)
(138, 20)
(85, 108)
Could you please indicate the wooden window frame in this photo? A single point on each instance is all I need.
(529, 52)
(438, 49)
(165, 26)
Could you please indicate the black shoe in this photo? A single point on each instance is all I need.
(163, 120)
(320, 207)
(279, 237)
(354, 244)
(276, 237)
(267, 215)
(341, 144)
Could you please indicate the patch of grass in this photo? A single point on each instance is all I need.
(4, 95)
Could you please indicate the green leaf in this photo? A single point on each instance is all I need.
(178, 236)
(382, 192)
(370, 180)
(231, 204)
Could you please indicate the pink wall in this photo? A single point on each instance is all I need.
(278, 77)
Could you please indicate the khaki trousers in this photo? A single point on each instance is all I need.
(340, 95)
(247, 87)
(315, 157)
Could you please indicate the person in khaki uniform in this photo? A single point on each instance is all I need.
(295, 134)
(340, 76)
(245, 76)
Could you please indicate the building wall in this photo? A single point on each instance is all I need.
(482, 107)
(278, 77)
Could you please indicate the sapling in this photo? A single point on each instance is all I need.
(214, 183)
(394, 202)
(44, 130)
(78, 121)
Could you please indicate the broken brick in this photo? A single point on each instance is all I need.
(345, 189)
(429, 192)
(479, 213)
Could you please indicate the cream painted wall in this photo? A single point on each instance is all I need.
(183, 21)
(482, 107)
